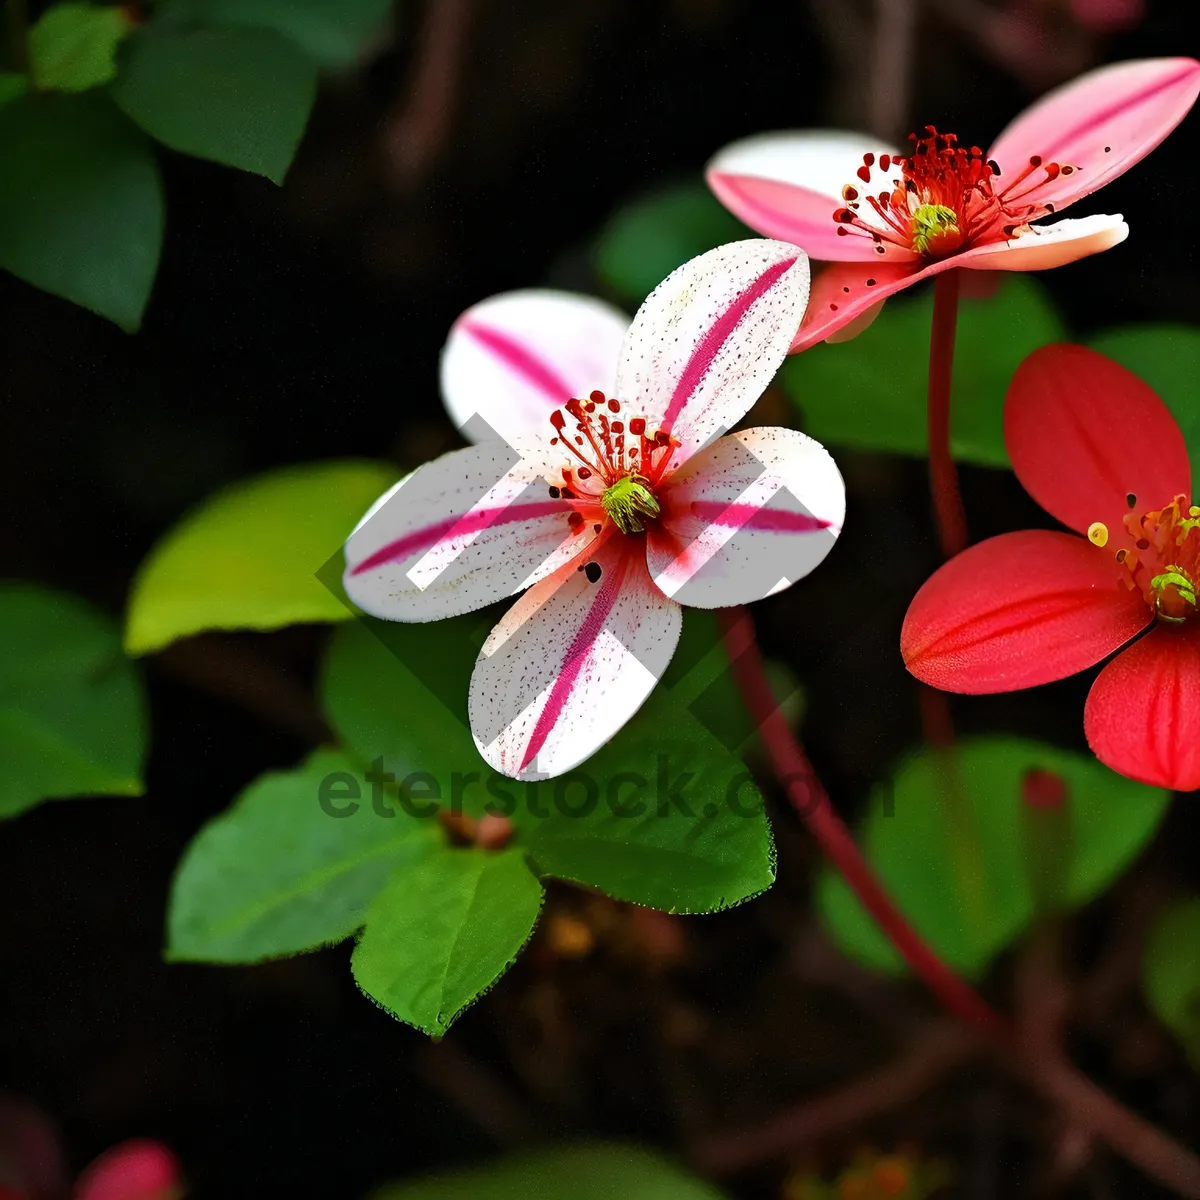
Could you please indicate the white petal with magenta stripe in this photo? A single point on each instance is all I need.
(571, 662)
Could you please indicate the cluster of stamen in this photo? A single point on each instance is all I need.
(618, 463)
(1164, 561)
(943, 197)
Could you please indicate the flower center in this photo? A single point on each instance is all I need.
(617, 463)
(1164, 561)
(627, 501)
(943, 197)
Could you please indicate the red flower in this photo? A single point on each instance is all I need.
(1096, 448)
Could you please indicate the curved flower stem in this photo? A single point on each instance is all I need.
(812, 802)
(943, 475)
(1087, 1105)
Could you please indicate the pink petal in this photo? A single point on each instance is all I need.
(1142, 716)
(514, 358)
(1101, 124)
(134, 1170)
(467, 529)
(1044, 246)
(709, 339)
(745, 518)
(571, 662)
(1084, 434)
(844, 295)
(1016, 611)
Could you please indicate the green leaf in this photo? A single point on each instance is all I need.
(1171, 973)
(73, 46)
(589, 1171)
(331, 31)
(247, 557)
(237, 96)
(955, 858)
(870, 393)
(12, 85)
(445, 929)
(81, 203)
(1167, 357)
(645, 241)
(664, 815)
(72, 714)
(291, 866)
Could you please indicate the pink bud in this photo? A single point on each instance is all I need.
(140, 1169)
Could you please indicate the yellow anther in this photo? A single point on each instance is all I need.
(1194, 511)
(1098, 533)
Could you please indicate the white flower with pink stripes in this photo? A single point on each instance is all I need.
(602, 487)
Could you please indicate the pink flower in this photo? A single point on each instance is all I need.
(888, 221)
(610, 497)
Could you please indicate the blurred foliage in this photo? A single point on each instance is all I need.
(1171, 973)
(901, 1176)
(1167, 357)
(234, 81)
(870, 393)
(72, 712)
(582, 1172)
(248, 557)
(949, 840)
(651, 236)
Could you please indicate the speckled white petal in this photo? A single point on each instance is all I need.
(467, 529)
(745, 518)
(709, 339)
(571, 662)
(512, 359)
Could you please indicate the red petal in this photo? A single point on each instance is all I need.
(1084, 433)
(1016, 611)
(1143, 713)
(140, 1169)
(843, 292)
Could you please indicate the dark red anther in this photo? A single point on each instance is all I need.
(584, 473)
(618, 427)
(597, 397)
(844, 215)
(575, 520)
(849, 192)
(557, 419)
(885, 162)
(864, 173)
(1035, 160)
(662, 437)
(614, 406)
(637, 426)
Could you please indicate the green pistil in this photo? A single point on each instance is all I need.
(1184, 588)
(931, 223)
(627, 502)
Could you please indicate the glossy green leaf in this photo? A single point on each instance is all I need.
(589, 1171)
(1167, 357)
(73, 46)
(954, 855)
(331, 31)
(1171, 973)
(870, 393)
(665, 815)
(81, 203)
(443, 931)
(291, 866)
(72, 713)
(645, 241)
(247, 557)
(237, 96)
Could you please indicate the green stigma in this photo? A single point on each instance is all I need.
(931, 225)
(1182, 587)
(627, 502)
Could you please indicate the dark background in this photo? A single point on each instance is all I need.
(305, 322)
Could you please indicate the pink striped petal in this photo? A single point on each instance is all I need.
(514, 358)
(745, 518)
(789, 185)
(1100, 124)
(709, 339)
(571, 662)
(1044, 246)
(467, 529)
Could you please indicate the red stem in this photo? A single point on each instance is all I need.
(943, 475)
(811, 801)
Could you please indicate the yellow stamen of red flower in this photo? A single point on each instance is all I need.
(1164, 563)
(1098, 533)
